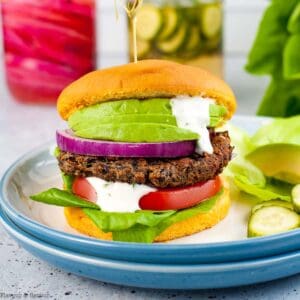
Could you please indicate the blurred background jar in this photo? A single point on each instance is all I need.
(47, 45)
(187, 31)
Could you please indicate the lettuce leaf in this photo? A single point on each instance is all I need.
(144, 226)
(291, 58)
(113, 221)
(265, 192)
(279, 131)
(68, 181)
(281, 99)
(276, 52)
(265, 56)
(59, 197)
(294, 20)
(246, 176)
(137, 234)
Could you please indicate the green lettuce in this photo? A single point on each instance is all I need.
(291, 58)
(139, 226)
(246, 176)
(282, 98)
(146, 234)
(113, 221)
(265, 56)
(68, 181)
(278, 131)
(63, 198)
(294, 20)
(268, 191)
(275, 52)
(251, 180)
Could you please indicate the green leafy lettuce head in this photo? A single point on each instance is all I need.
(275, 52)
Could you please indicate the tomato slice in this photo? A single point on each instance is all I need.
(82, 188)
(179, 198)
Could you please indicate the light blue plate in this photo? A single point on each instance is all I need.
(198, 276)
(38, 170)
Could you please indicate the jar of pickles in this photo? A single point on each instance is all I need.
(47, 45)
(187, 31)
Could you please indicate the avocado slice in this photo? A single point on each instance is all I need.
(120, 119)
(281, 161)
(137, 132)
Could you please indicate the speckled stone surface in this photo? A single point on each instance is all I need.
(22, 276)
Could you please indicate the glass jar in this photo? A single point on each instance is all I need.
(187, 31)
(47, 44)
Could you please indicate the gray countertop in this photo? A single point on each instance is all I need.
(22, 127)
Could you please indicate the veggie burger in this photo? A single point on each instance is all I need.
(141, 159)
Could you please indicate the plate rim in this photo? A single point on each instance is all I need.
(16, 231)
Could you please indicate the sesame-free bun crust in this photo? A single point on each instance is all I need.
(142, 80)
(82, 223)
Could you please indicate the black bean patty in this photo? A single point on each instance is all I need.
(160, 173)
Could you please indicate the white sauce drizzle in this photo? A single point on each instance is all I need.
(118, 196)
(192, 113)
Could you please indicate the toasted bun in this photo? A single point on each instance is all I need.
(78, 220)
(145, 79)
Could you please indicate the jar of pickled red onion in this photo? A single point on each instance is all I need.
(47, 45)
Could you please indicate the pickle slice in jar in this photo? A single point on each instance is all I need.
(171, 22)
(213, 43)
(192, 44)
(174, 43)
(149, 22)
(194, 39)
(210, 20)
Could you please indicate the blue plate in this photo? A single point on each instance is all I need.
(198, 276)
(38, 170)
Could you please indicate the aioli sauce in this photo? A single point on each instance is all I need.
(118, 196)
(192, 113)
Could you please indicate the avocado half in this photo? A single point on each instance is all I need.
(281, 161)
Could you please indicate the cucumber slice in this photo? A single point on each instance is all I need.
(214, 43)
(280, 203)
(271, 220)
(171, 22)
(194, 40)
(296, 197)
(211, 20)
(149, 22)
(174, 43)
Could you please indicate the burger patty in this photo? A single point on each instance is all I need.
(160, 173)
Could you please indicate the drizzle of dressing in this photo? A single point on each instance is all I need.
(192, 113)
(118, 196)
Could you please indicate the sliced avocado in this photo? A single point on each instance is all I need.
(281, 161)
(120, 119)
(121, 107)
(137, 132)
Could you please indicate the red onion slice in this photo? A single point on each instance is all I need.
(67, 141)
